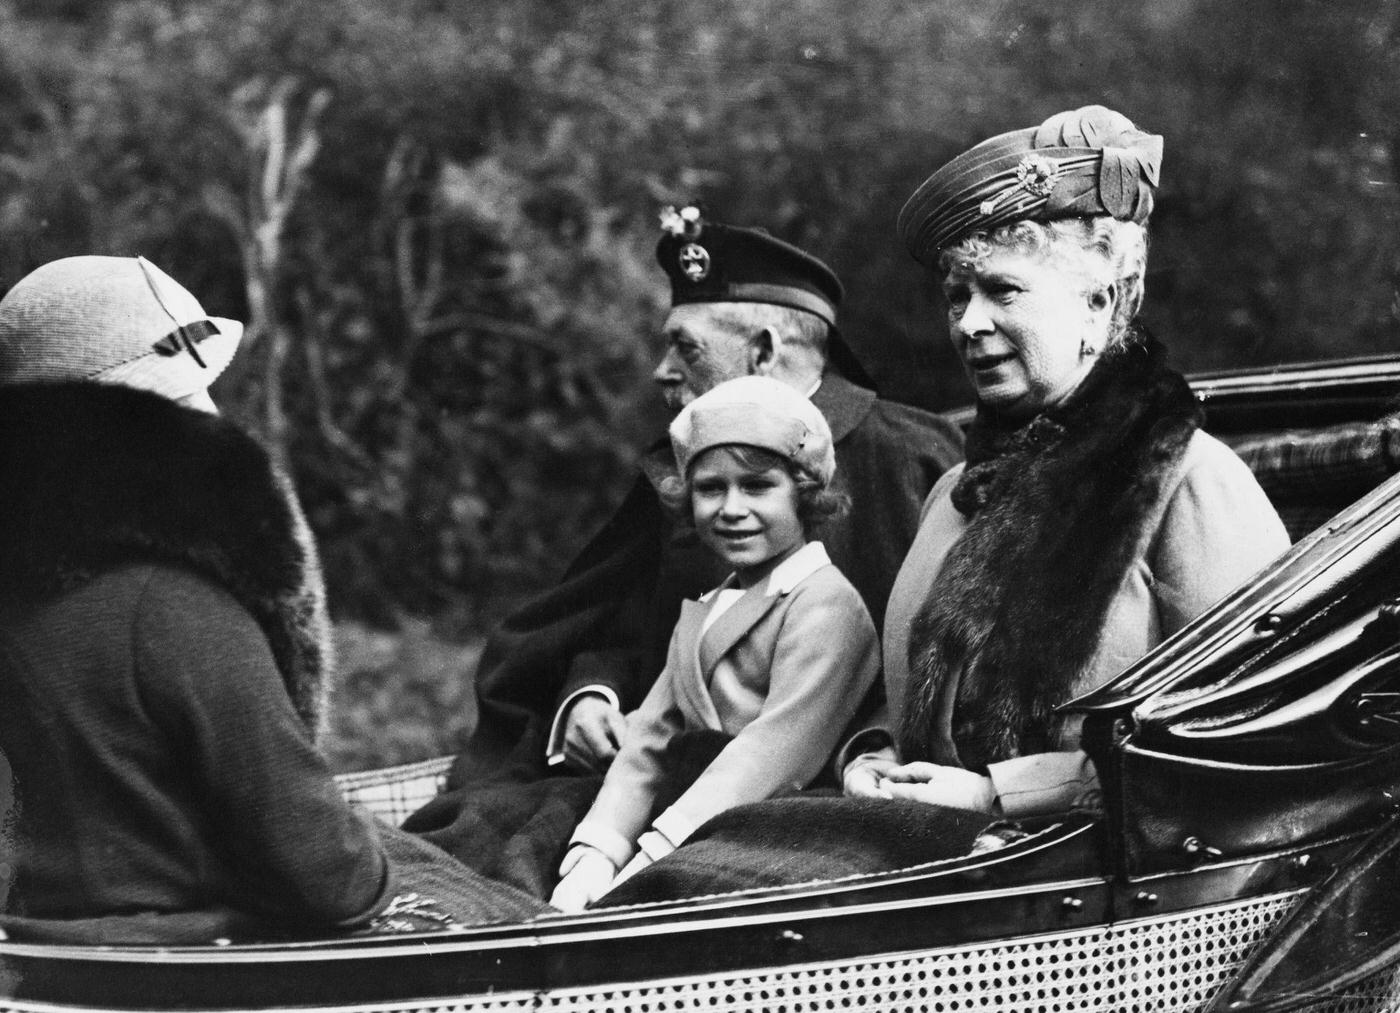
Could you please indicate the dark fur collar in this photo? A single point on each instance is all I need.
(96, 476)
(1059, 510)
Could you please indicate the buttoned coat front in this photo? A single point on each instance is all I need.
(782, 671)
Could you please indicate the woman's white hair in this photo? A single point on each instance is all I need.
(1107, 251)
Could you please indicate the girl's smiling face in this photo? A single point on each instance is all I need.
(747, 516)
(1026, 326)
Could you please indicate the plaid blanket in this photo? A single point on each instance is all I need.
(508, 831)
(517, 832)
(436, 893)
(801, 839)
(1310, 474)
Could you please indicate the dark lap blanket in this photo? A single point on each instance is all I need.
(435, 891)
(513, 832)
(432, 893)
(787, 841)
(517, 832)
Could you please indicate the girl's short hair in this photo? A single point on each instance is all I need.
(1104, 249)
(817, 503)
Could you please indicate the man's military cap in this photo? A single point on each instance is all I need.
(712, 262)
(1088, 161)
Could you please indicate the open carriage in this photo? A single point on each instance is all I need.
(1246, 860)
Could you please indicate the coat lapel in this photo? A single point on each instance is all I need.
(689, 683)
(757, 602)
(688, 626)
(731, 627)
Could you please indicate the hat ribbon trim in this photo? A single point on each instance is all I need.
(185, 338)
(782, 295)
(1036, 177)
(1034, 174)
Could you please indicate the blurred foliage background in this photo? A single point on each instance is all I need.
(438, 220)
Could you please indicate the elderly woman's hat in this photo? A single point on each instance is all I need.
(755, 411)
(112, 320)
(1089, 161)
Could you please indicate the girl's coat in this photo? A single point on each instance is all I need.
(782, 671)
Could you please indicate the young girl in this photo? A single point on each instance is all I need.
(777, 657)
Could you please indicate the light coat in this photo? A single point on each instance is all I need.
(782, 671)
(1214, 529)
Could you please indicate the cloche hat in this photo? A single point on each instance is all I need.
(113, 320)
(755, 411)
(1087, 161)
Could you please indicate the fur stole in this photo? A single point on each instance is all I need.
(1060, 507)
(96, 476)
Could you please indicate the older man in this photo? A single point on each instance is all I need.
(557, 677)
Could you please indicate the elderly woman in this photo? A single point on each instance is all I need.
(1091, 520)
(164, 650)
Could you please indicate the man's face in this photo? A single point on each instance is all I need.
(702, 351)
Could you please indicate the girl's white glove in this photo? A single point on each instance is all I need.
(652, 846)
(585, 875)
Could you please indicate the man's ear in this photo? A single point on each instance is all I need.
(763, 352)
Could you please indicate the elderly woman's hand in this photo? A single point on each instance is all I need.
(933, 784)
(863, 775)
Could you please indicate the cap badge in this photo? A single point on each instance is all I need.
(1035, 175)
(695, 261)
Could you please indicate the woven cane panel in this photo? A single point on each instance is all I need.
(392, 793)
(1378, 994)
(1170, 965)
(1173, 964)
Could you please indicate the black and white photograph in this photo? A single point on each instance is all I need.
(646, 506)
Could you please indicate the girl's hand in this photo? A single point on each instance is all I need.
(933, 784)
(863, 776)
(639, 862)
(586, 874)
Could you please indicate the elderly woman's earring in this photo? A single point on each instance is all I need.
(1086, 350)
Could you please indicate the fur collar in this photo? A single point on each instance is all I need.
(1059, 508)
(96, 476)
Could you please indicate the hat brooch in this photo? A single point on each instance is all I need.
(1035, 175)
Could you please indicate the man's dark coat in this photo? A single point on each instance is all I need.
(609, 620)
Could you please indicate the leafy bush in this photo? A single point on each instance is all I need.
(437, 219)
(402, 696)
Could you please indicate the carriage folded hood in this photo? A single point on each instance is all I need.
(1271, 720)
